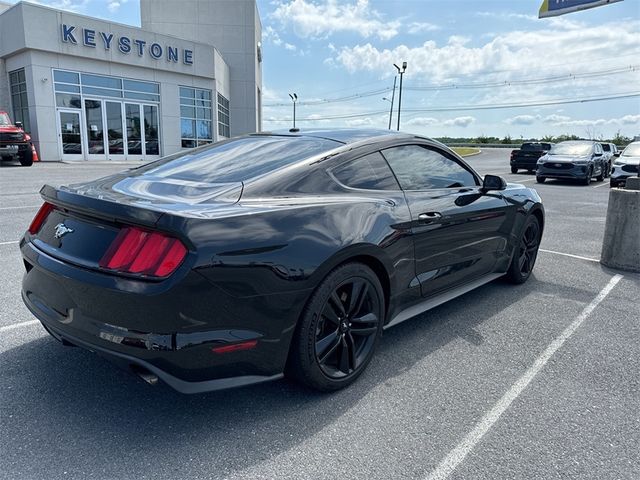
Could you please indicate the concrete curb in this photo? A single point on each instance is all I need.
(621, 243)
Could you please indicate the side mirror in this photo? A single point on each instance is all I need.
(493, 182)
(19, 124)
(617, 154)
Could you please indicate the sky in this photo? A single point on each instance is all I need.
(464, 59)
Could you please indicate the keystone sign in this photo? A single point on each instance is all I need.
(552, 8)
(126, 45)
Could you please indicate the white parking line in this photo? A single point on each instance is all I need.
(18, 325)
(10, 243)
(604, 184)
(569, 255)
(20, 206)
(458, 454)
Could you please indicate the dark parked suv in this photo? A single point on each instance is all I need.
(575, 160)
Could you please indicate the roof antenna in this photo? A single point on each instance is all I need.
(294, 130)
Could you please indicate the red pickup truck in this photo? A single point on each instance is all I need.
(15, 144)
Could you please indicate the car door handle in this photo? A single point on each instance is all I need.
(429, 217)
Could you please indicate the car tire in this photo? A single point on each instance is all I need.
(526, 252)
(530, 172)
(339, 329)
(514, 170)
(540, 179)
(26, 158)
(600, 177)
(587, 179)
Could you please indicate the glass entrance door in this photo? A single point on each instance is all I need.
(94, 130)
(70, 141)
(115, 131)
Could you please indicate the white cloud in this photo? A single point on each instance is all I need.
(555, 118)
(321, 19)
(630, 119)
(422, 121)
(114, 6)
(515, 54)
(415, 28)
(430, 121)
(522, 120)
(562, 121)
(459, 122)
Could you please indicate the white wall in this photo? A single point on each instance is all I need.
(234, 28)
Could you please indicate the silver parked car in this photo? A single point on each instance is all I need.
(573, 160)
(626, 165)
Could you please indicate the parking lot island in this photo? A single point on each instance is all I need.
(621, 244)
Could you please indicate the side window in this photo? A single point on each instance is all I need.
(370, 172)
(419, 168)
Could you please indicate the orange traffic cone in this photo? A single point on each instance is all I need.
(34, 153)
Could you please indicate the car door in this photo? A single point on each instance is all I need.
(459, 233)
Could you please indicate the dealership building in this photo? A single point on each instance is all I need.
(90, 89)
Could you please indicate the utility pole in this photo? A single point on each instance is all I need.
(294, 99)
(401, 72)
(393, 96)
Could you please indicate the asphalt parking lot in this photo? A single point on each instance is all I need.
(535, 381)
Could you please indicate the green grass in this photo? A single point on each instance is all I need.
(465, 151)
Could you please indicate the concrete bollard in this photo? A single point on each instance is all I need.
(621, 244)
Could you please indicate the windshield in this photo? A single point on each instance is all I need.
(238, 160)
(571, 148)
(633, 150)
(4, 120)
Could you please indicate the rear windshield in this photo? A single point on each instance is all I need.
(606, 147)
(4, 119)
(238, 160)
(571, 148)
(633, 150)
(535, 146)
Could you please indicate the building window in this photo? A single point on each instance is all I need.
(69, 86)
(223, 117)
(195, 117)
(19, 101)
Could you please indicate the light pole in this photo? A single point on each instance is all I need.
(401, 72)
(393, 96)
(294, 99)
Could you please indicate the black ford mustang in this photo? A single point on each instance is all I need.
(270, 253)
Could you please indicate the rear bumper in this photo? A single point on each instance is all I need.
(168, 330)
(135, 364)
(525, 164)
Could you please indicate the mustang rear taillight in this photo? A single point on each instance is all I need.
(144, 253)
(40, 217)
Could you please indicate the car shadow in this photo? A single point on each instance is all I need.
(63, 401)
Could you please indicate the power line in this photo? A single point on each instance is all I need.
(462, 108)
(531, 81)
(453, 86)
(347, 98)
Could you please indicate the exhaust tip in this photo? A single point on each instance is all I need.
(144, 374)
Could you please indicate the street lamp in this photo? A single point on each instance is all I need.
(294, 99)
(393, 96)
(401, 72)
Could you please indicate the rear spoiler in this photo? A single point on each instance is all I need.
(106, 208)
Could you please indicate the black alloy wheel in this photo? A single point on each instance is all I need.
(540, 179)
(339, 329)
(587, 179)
(514, 170)
(526, 252)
